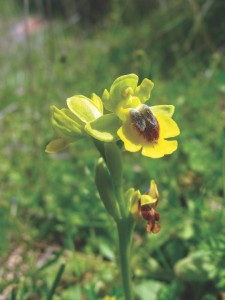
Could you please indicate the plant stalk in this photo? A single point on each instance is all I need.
(124, 234)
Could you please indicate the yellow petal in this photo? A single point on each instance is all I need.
(168, 146)
(153, 191)
(147, 199)
(130, 145)
(168, 127)
(152, 150)
(159, 149)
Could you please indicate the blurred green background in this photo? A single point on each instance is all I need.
(52, 223)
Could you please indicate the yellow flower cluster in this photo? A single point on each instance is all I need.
(121, 114)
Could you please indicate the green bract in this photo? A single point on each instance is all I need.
(114, 162)
(104, 184)
(104, 128)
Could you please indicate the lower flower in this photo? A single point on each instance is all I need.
(147, 128)
(145, 206)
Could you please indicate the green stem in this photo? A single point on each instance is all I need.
(112, 157)
(124, 234)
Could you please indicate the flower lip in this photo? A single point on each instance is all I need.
(149, 213)
(145, 123)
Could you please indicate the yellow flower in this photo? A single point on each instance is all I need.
(147, 128)
(69, 122)
(145, 206)
(126, 93)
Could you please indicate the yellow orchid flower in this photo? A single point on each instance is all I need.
(148, 128)
(145, 206)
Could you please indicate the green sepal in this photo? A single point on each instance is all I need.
(83, 108)
(124, 81)
(105, 95)
(114, 162)
(143, 91)
(166, 110)
(116, 93)
(57, 145)
(106, 191)
(104, 128)
(132, 196)
(64, 124)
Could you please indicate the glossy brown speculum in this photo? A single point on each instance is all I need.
(145, 123)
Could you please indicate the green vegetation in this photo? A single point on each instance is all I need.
(55, 237)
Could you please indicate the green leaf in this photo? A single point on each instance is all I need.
(73, 292)
(187, 229)
(83, 108)
(149, 290)
(104, 128)
(198, 266)
(106, 249)
(56, 282)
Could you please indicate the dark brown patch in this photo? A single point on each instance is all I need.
(145, 123)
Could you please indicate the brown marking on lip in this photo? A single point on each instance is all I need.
(145, 123)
